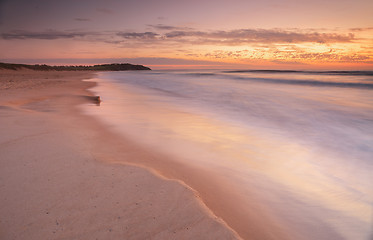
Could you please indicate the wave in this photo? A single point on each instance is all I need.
(200, 74)
(310, 82)
(352, 73)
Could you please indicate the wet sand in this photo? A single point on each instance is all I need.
(59, 176)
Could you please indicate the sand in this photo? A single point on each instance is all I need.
(59, 178)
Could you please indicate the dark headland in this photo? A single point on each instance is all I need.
(101, 67)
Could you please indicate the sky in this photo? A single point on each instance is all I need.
(265, 34)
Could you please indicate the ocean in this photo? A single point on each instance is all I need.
(298, 143)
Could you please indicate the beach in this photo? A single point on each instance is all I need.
(185, 154)
(60, 177)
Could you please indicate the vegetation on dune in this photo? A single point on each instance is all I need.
(101, 67)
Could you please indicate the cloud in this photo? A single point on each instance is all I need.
(167, 27)
(242, 36)
(289, 62)
(238, 37)
(285, 56)
(135, 35)
(180, 35)
(46, 35)
(162, 27)
(261, 44)
(361, 29)
(82, 19)
(220, 54)
(332, 57)
(327, 56)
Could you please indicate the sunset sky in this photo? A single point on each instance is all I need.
(266, 34)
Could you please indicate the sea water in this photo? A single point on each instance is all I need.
(303, 140)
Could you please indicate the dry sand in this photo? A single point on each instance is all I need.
(58, 179)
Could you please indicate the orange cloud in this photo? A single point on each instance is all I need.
(240, 46)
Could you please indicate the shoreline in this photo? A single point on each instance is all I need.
(58, 180)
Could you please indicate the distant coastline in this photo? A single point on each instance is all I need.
(101, 67)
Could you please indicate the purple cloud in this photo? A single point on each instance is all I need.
(46, 35)
(135, 35)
